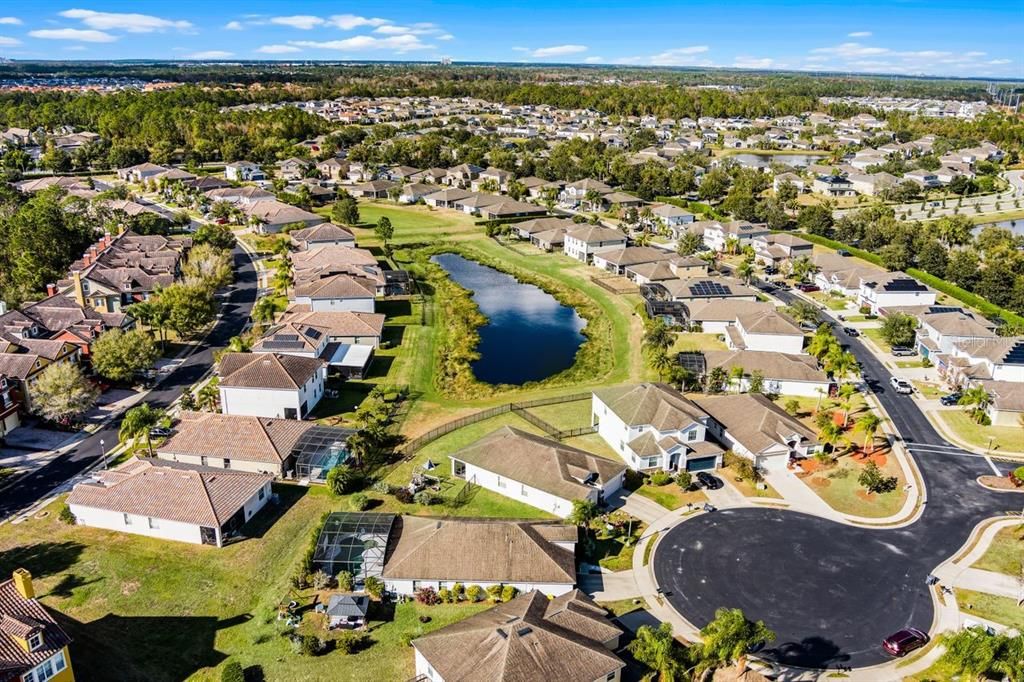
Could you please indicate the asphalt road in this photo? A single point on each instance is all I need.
(234, 316)
(831, 592)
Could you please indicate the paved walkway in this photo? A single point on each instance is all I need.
(645, 509)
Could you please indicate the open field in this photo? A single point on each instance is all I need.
(692, 341)
(1006, 552)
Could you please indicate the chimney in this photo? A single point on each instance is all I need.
(23, 583)
(79, 292)
(51, 289)
(87, 258)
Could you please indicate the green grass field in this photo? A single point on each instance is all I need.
(839, 487)
(1003, 610)
(1006, 552)
(697, 342)
(1005, 438)
(671, 496)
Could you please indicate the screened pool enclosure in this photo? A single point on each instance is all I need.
(355, 542)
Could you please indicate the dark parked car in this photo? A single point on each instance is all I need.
(850, 331)
(903, 642)
(807, 288)
(159, 432)
(842, 252)
(951, 399)
(708, 481)
(903, 351)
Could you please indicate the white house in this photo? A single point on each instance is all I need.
(244, 171)
(754, 427)
(170, 502)
(775, 249)
(782, 373)
(1006, 402)
(270, 384)
(537, 471)
(939, 332)
(718, 235)
(885, 290)
(584, 241)
(767, 330)
(337, 293)
(616, 261)
(436, 553)
(574, 634)
(997, 359)
(653, 426)
(671, 216)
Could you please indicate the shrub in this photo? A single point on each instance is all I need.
(352, 642)
(474, 593)
(458, 591)
(660, 478)
(427, 498)
(232, 672)
(494, 593)
(744, 468)
(359, 502)
(632, 480)
(300, 579)
(684, 480)
(321, 581)
(445, 595)
(865, 310)
(792, 407)
(508, 593)
(66, 515)
(872, 479)
(427, 596)
(925, 362)
(374, 587)
(343, 479)
(1018, 475)
(404, 496)
(307, 645)
(346, 581)
(382, 487)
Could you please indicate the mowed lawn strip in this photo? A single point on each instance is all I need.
(1006, 553)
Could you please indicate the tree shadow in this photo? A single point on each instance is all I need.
(150, 648)
(811, 652)
(380, 366)
(41, 559)
(394, 307)
(68, 584)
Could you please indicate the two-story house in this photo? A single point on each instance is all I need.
(270, 384)
(33, 646)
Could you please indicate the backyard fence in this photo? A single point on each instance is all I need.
(619, 290)
(408, 449)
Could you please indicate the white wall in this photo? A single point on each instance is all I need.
(520, 492)
(357, 305)
(218, 463)
(792, 344)
(404, 587)
(265, 402)
(617, 434)
(110, 520)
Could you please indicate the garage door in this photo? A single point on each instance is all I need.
(701, 464)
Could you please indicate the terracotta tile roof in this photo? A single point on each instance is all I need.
(539, 462)
(341, 323)
(527, 639)
(164, 490)
(17, 616)
(266, 370)
(238, 437)
(337, 286)
(478, 551)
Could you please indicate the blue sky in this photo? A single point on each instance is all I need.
(937, 37)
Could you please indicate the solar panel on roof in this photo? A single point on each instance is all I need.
(313, 333)
(1015, 355)
(707, 288)
(904, 284)
(286, 337)
(274, 344)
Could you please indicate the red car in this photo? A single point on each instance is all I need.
(903, 642)
(807, 288)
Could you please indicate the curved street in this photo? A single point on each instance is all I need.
(234, 315)
(831, 591)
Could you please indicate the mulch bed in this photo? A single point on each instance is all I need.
(999, 483)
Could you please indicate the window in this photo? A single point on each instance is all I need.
(691, 435)
(501, 483)
(525, 494)
(153, 523)
(58, 661)
(227, 463)
(261, 494)
(611, 676)
(203, 460)
(35, 641)
(127, 520)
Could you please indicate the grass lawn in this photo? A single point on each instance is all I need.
(829, 301)
(745, 487)
(1006, 552)
(412, 223)
(839, 487)
(928, 390)
(621, 607)
(649, 547)
(690, 341)
(909, 364)
(1003, 610)
(613, 554)
(875, 334)
(1007, 438)
(671, 496)
(594, 443)
(572, 415)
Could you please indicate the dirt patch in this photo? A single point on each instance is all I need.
(810, 465)
(820, 482)
(999, 483)
(130, 587)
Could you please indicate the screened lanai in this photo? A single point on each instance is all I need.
(355, 542)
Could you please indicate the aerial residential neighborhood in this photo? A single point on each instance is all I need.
(511, 343)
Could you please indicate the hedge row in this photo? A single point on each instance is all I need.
(833, 244)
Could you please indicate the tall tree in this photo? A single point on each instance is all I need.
(62, 391)
(118, 355)
(657, 649)
(730, 636)
(139, 422)
(970, 652)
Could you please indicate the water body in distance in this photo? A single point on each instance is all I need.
(529, 335)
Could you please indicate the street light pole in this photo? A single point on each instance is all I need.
(103, 452)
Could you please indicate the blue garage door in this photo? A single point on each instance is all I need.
(701, 464)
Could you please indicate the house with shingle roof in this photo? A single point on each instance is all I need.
(584, 241)
(439, 552)
(765, 330)
(783, 373)
(170, 501)
(33, 646)
(568, 638)
(537, 471)
(270, 384)
(323, 234)
(884, 290)
(653, 426)
(271, 216)
(617, 260)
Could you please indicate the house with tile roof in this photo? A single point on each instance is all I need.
(33, 646)
(537, 471)
(653, 426)
(435, 552)
(568, 638)
(270, 384)
(170, 501)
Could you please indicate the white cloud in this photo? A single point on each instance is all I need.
(300, 21)
(446, 36)
(347, 22)
(210, 54)
(859, 34)
(132, 23)
(233, 26)
(679, 56)
(5, 41)
(10, 21)
(851, 50)
(593, 60)
(81, 35)
(557, 51)
(277, 49)
(854, 56)
(419, 29)
(998, 62)
(743, 62)
(402, 43)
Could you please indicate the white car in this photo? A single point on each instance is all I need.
(901, 386)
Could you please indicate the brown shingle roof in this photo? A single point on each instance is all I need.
(479, 551)
(207, 497)
(266, 370)
(337, 286)
(527, 639)
(655, 404)
(340, 323)
(754, 421)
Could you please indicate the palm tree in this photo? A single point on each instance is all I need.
(830, 434)
(840, 362)
(821, 343)
(1011, 659)
(138, 421)
(657, 335)
(281, 280)
(264, 310)
(804, 311)
(657, 649)
(745, 270)
(971, 652)
(736, 374)
(208, 397)
(730, 636)
(976, 400)
(868, 425)
(846, 393)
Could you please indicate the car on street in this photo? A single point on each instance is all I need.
(809, 326)
(850, 331)
(903, 351)
(771, 270)
(708, 481)
(901, 386)
(951, 399)
(903, 642)
(159, 432)
(842, 252)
